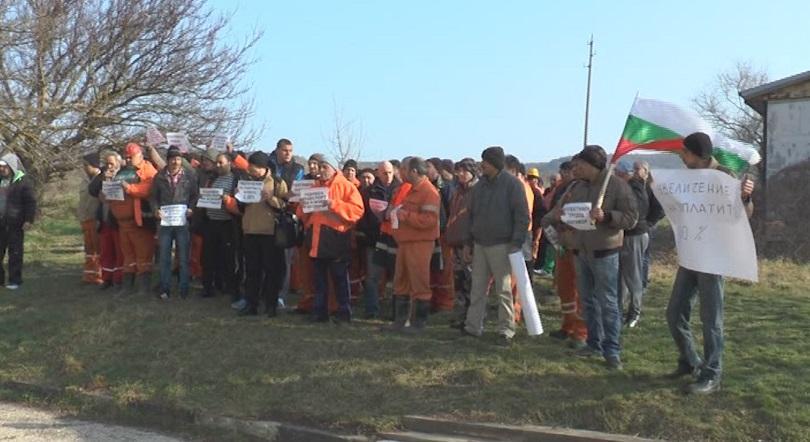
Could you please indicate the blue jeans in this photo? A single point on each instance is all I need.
(181, 236)
(371, 295)
(598, 282)
(339, 271)
(688, 284)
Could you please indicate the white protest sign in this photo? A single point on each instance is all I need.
(578, 216)
(712, 232)
(173, 215)
(377, 206)
(297, 187)
(531, 317)
(393, 216)
(249, 191)
(112, 190)
(153, 136)
(179, 139)
(315, 199)
(210, 198)
(219, 142)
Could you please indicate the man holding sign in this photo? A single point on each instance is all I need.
(328, 238)
(174, 194)
(697, 154)
(597, 240)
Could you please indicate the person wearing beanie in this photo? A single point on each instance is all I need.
(597, 249)
(86, 214)
(135, 220)
(697, 154)
(350, 172)
(441, 279)
(328, 240)
(458, 223)
(264, 260)
(499, 223)
(174, 186)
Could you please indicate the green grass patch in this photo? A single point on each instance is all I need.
(198, 354)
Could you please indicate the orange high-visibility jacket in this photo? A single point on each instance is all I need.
(419, 215)
(131, 206)
(330, 230)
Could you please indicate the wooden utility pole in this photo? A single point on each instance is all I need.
(588, 91)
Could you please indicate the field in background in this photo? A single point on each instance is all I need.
(197, 353)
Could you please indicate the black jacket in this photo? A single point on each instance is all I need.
(369, 224)
(639, 189)
(164, 193)
(21, 202)
(655, 212)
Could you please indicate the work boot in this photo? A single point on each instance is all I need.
(402, 310)
(127, 286)
(421, 311)
(144, 283)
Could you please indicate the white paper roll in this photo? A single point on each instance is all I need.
(531, 317)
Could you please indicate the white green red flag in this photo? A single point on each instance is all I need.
(662, 126)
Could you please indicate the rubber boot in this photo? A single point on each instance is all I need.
(144, 283)
(127, 285)
(421, 311)
(402, 310)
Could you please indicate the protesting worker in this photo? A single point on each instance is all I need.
(597, 250)
(415, 226)
(288, 170)
(18, 207)
(697, 154)
(137, 236)
(458, 224)
(636, 241)
(112, 258)
(264, 260)
(174, 189)
(441, 276)
(499, 222)
(87, 212)
(328, 239)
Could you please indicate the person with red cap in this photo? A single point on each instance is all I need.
(137, 238)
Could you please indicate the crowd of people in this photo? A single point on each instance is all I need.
(438, 232)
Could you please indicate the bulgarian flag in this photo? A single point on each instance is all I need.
(658, 125)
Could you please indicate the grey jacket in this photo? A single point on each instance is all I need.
(619, 207)
(499, 213)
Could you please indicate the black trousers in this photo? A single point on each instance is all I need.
(11, 238)
(265, 268)
(219, 256)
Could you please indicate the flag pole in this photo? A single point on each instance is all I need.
(588, 91)
(611, 167)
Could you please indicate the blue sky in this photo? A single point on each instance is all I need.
(448, 78)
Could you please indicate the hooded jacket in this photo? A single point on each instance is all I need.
(21, 203)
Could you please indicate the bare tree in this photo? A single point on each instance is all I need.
(77, 75)
(721, 105)
(346, 138)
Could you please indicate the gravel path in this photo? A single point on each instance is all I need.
(21, 423)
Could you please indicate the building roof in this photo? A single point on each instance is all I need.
(756, 96)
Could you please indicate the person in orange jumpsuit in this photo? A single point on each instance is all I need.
(328, 239)
(86, 213)
(415, 224)
(112, 258)
(137, 240)
(385, 253)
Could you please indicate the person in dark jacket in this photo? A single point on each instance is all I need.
(18, 206)
(636, 241)
(173, 186)
(655, 213)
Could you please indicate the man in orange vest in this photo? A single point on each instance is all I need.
(137, 240)
(415, 226)
(328, 239)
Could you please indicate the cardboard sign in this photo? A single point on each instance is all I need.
(297, 187)
(377, 206)
(112, 190)
(249, 191)
(179, 139)
(173, 215)
(210, 198)
(578, 216)
(219, 142)
(154, 137)
(315, 199)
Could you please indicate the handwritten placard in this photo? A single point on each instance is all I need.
(210, 198)
(377, 206)
(112, 190)
(578, 216)
(153, 136)
(297, 187)
(249, 191)
(219, 142)
(179, 139)
(315, 199)
(173, 215)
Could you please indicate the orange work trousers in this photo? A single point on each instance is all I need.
(112, 259)
(412, 270)
(92, 253)
(138, 247)
(565, 281)
(442, 284)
